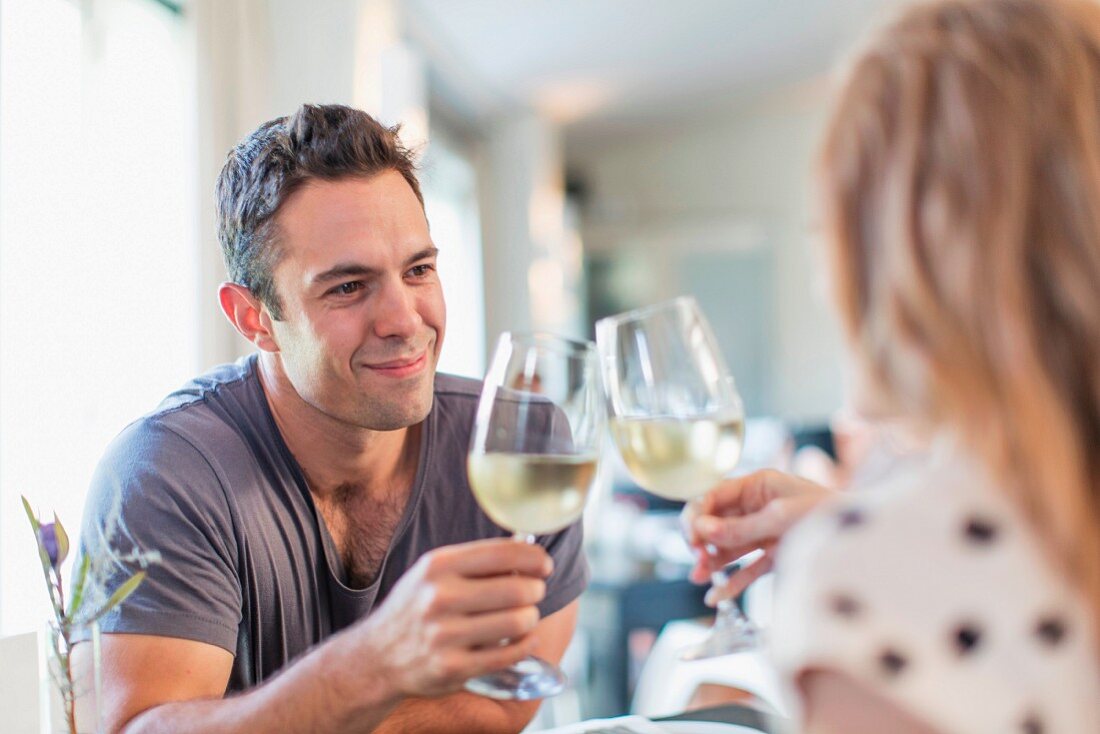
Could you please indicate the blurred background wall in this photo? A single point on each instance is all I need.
(579, 157)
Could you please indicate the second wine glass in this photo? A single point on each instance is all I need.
(678, 422)
(533, 459)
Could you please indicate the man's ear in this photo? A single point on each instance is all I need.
(248, 315)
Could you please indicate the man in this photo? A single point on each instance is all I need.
(310, 501)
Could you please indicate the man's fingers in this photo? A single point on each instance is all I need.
(474, 596)
(448, 670)
(492, 557)
(491, 628)
(498, 657)
(742, 579)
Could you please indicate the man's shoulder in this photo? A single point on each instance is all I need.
(205, 411)
(235, 377)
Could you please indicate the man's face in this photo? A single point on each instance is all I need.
(363, 311)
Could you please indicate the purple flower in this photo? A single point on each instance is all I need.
(48, 535)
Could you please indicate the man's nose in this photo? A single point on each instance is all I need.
(397, 313)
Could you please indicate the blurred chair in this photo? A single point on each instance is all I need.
(22, 681)
(668, 685)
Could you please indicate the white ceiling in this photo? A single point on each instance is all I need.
(598, 62)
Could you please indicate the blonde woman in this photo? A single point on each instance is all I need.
(960, 186)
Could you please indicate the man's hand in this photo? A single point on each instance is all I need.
(462, 712)
(742, 515)
(446, 620)
(441, 624)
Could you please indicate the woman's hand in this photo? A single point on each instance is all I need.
(742, 515)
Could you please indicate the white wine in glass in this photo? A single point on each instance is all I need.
(533, 461)
(673, 457)
(531, 494)
(678, 422)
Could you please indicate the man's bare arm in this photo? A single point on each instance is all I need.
(439, 626)
(161, 684)
(465, 712)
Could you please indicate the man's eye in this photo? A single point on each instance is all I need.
(419, 271)
(347, 289)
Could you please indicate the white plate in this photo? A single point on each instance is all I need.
(637, 723)
(705, 727)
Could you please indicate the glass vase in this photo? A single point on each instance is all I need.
(72, 695)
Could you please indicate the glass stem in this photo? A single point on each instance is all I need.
(718, 580)
(728, 609)
(519, 538)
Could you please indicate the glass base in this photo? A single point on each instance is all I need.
(527, 680)
(731, 633)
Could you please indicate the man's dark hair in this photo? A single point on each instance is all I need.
(325, 142)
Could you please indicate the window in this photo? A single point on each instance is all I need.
(450, 199)
(98, 253)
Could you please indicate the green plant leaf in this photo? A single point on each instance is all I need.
(43, 556)
(30, 514)
(62, 540)
(128, 587)
(78, 585)
(36, 526)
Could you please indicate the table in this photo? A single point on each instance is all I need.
(732, 714)
(744, 716)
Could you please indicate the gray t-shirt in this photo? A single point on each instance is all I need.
(247, 564)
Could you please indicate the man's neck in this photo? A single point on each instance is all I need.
(335, 454)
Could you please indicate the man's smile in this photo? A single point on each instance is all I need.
(401, 368)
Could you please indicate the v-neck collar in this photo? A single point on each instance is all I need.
(335, 564)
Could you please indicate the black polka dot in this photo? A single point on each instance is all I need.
(850, 517)
(892, 663)
(967, 638)
(980, 530)
(845, 606)
(1031, 724)
(1051, 630)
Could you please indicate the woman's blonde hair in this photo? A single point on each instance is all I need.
(960, 176)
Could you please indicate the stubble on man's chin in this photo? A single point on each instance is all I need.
(402, 414)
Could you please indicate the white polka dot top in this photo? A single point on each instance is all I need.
(929, 590)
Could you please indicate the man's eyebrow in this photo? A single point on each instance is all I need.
(426, 253)
(345, 270)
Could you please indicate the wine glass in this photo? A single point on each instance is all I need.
(678, 422)
(533, 460)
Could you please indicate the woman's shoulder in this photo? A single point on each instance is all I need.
(939, 507)
(931, 588)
